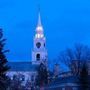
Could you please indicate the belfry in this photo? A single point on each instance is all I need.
(39, 53)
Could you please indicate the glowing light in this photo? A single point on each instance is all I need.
(42, 35)
(39, 36)
(39, 28)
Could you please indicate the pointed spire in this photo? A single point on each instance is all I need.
(39, 20)
(39, 16)
(39, 28)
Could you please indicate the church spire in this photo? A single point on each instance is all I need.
(39, 19)
(39, 28)
(39, 16)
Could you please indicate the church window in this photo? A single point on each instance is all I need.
(38, 44)
(38, 57)
(42, 35)
(39, 35)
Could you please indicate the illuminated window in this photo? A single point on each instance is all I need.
(39, 35)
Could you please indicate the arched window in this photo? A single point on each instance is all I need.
(38, 57)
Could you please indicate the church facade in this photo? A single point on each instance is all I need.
(39, 55)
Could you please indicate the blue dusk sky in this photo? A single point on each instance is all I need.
(65, 23)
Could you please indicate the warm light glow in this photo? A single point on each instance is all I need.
(39, 28)
(39, 35)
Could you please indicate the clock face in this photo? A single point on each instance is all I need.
(38, 44)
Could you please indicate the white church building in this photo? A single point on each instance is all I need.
(39, 54)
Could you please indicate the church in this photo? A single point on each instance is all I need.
(39, 55)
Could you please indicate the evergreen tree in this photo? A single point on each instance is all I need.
(42, 77)
(3, 61)
(84, 78)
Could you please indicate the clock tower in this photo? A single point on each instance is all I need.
(39, 53)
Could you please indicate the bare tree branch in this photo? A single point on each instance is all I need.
(79, 52)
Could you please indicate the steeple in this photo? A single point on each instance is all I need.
(39, 20)
(39, 53)
(39, 28)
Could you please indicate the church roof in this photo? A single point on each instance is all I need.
(22, 66)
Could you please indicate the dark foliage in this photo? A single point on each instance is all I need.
(4, 80)
(84, 78)
(42, 77)
(16, 83)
